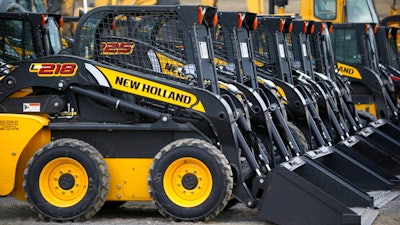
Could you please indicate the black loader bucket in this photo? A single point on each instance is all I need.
(363, 173)
(386, 132)
(308, 194)
(366, 151)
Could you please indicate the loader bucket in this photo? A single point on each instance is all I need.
(308, 195)
(371, 178)
(388, 130)
(365, 177)
(357, 146)
(386, 146)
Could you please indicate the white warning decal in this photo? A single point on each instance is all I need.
(31, 107)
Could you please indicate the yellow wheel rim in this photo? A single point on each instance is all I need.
(63, 182)
(188, 182)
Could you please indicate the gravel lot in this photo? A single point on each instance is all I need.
(14, 212)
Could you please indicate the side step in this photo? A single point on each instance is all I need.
(303, 192)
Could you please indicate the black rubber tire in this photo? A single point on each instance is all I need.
(299, 137)
(209, 159)
(71, 167)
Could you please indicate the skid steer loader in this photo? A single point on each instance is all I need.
(230, 43)
(386, 40)
(73, 98)
(62, 115)
(26, 36)
(324, 68)
(300, 49)
(356, 53)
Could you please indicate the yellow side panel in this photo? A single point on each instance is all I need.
(38, 141)
(371, 108)
(128, 179)
(16, 131)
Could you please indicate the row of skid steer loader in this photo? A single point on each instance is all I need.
(226, 57)
(329, 111)
(166, 65)
(149, 109)
(385, 157)
(269, 22)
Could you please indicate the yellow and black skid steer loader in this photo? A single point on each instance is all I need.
(324, 68)
(386, 41)
(77, 132)
(26, 36)
(357, 57)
